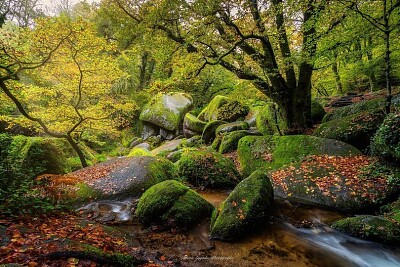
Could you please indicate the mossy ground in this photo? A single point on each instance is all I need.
(207, 169)
(273, 152)
(171, 202)
(250, 201)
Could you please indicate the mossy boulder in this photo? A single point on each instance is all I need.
(224, 109)
(360, 107)
(124, 177)
(207, 169)
(356, 129)
(208, 134)
(249, 203)
(347, 184)
(192, 125)
(374, 228)
(273, 152)
(317, 111)
(232, 126)
(172, 203)
(166, 110)
(32, 156)
(228, 142)
(386, 142)
(139, 151)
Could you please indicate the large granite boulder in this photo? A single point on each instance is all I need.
(172, 203)
(274, 152)
(207, 169)
(165, 111)
(118, 178)
(250, 202)
(224, 109)
(349, 184)
(356, 129)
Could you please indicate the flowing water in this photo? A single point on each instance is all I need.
(297, 237)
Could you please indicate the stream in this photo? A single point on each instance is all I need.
(298, 236)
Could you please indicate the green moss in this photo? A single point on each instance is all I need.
(172, 202)
(160, 170)
(223, 108)
(249, 202)
(317, 111)
(193, 124)
(84, 193)
(139, 151)
(369, 227)
(356, 129)
(188, 209)
(207, 169)
(158, 199)
(209, 131)
(386, 142)
(363, 106)
(273, 152)
(229, 141)
(233, 126)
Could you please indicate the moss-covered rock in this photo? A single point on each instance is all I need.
(374, 228)
(207, 169)
(139, 151)
(228, 142)
(32, 156)
(273, 152)
(356, 129)
(363, 106)
(124, 177)
(209, 131)
(250, 202)
(224, 109)
(166, 110)
(192, 125)
(317, 111)
(172, 203)
(386, 142)
(232, 126)
(348, 184)
(167, 147)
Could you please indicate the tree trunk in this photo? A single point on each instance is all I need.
(77, 150)
(335, 71)
(387, 58)
(373, 84)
